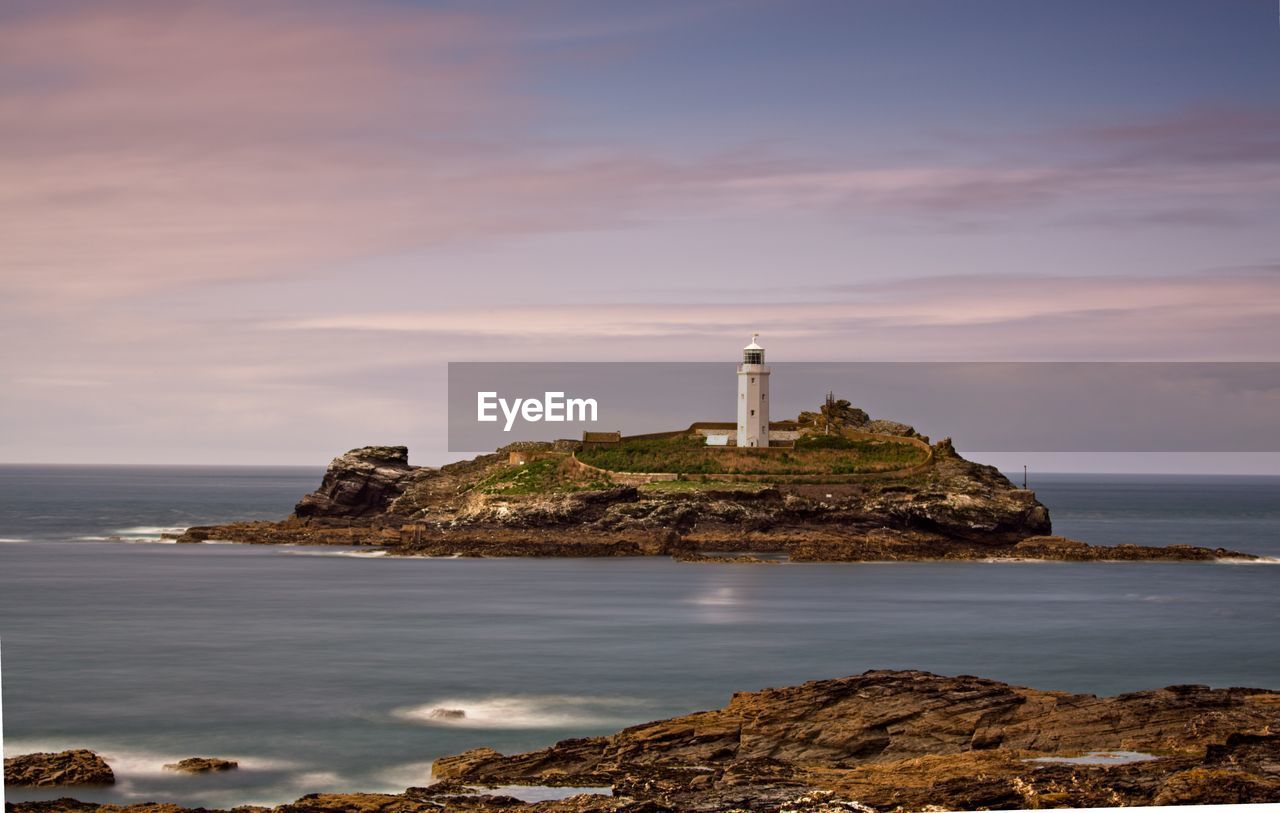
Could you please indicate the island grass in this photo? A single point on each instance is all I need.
(689, 454)
(553, 475)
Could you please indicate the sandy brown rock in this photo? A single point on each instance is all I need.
(202, 765)
(43, 770)
(916, 739)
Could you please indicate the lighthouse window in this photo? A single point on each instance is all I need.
(753, 412)
(753, 379)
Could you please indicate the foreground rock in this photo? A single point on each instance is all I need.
(913, 739)
(880, 741)
(953, 510)
(76, 767)
(202, 765)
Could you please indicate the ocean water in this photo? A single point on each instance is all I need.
(319, 669)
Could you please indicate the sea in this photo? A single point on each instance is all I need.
(326, 669)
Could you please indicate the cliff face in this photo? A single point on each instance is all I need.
(361, 483)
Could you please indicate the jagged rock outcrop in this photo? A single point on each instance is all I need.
(915, 739)
(45, 770)
(360, 483)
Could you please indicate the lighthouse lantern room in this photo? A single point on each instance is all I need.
(753, 396)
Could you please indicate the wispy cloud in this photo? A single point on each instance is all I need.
(1077, 317)
(150, 145)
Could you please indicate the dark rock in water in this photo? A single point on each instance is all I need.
(202, 765)
(359, 483)
(447, 714)
(76, 767)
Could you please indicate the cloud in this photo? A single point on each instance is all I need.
(987, 316)
(150, 145)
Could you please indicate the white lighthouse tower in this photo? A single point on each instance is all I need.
(753, 396)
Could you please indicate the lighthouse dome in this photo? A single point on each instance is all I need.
(753, 353)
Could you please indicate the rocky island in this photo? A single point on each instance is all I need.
(869, 491)
(900, 741)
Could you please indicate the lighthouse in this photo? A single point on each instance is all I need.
(753, 396)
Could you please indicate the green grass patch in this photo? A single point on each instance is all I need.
(542, 476)
(689, 455)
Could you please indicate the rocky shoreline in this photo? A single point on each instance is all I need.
(881, 741)
(956, 510)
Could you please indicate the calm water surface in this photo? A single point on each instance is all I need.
(317, 669)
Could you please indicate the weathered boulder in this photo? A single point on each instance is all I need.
(361, 483)
(44, 770)
(883, 427)
(202, 765)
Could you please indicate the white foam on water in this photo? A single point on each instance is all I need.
(150, 530)
(1098, 758)
(347, 554)
(544, 793)
(8, 540)
(1018, 560)
(318, 781)
(1261, 560)
(146, 539)
(520, 711)
(406, 775)
(128, 762)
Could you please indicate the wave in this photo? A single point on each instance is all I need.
(406, 775)
(141, 533)
(350, 554)
(521, 711)
(151, 530)
(9, 540)
(1261, 560)
(144, 540)
(129, 762)
(544, 793)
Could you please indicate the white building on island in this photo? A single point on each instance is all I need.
(753, 396)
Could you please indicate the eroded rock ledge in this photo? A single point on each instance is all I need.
(956, 510)
(880, 741)
(46, 770)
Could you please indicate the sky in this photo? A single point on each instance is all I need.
(256, 232)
